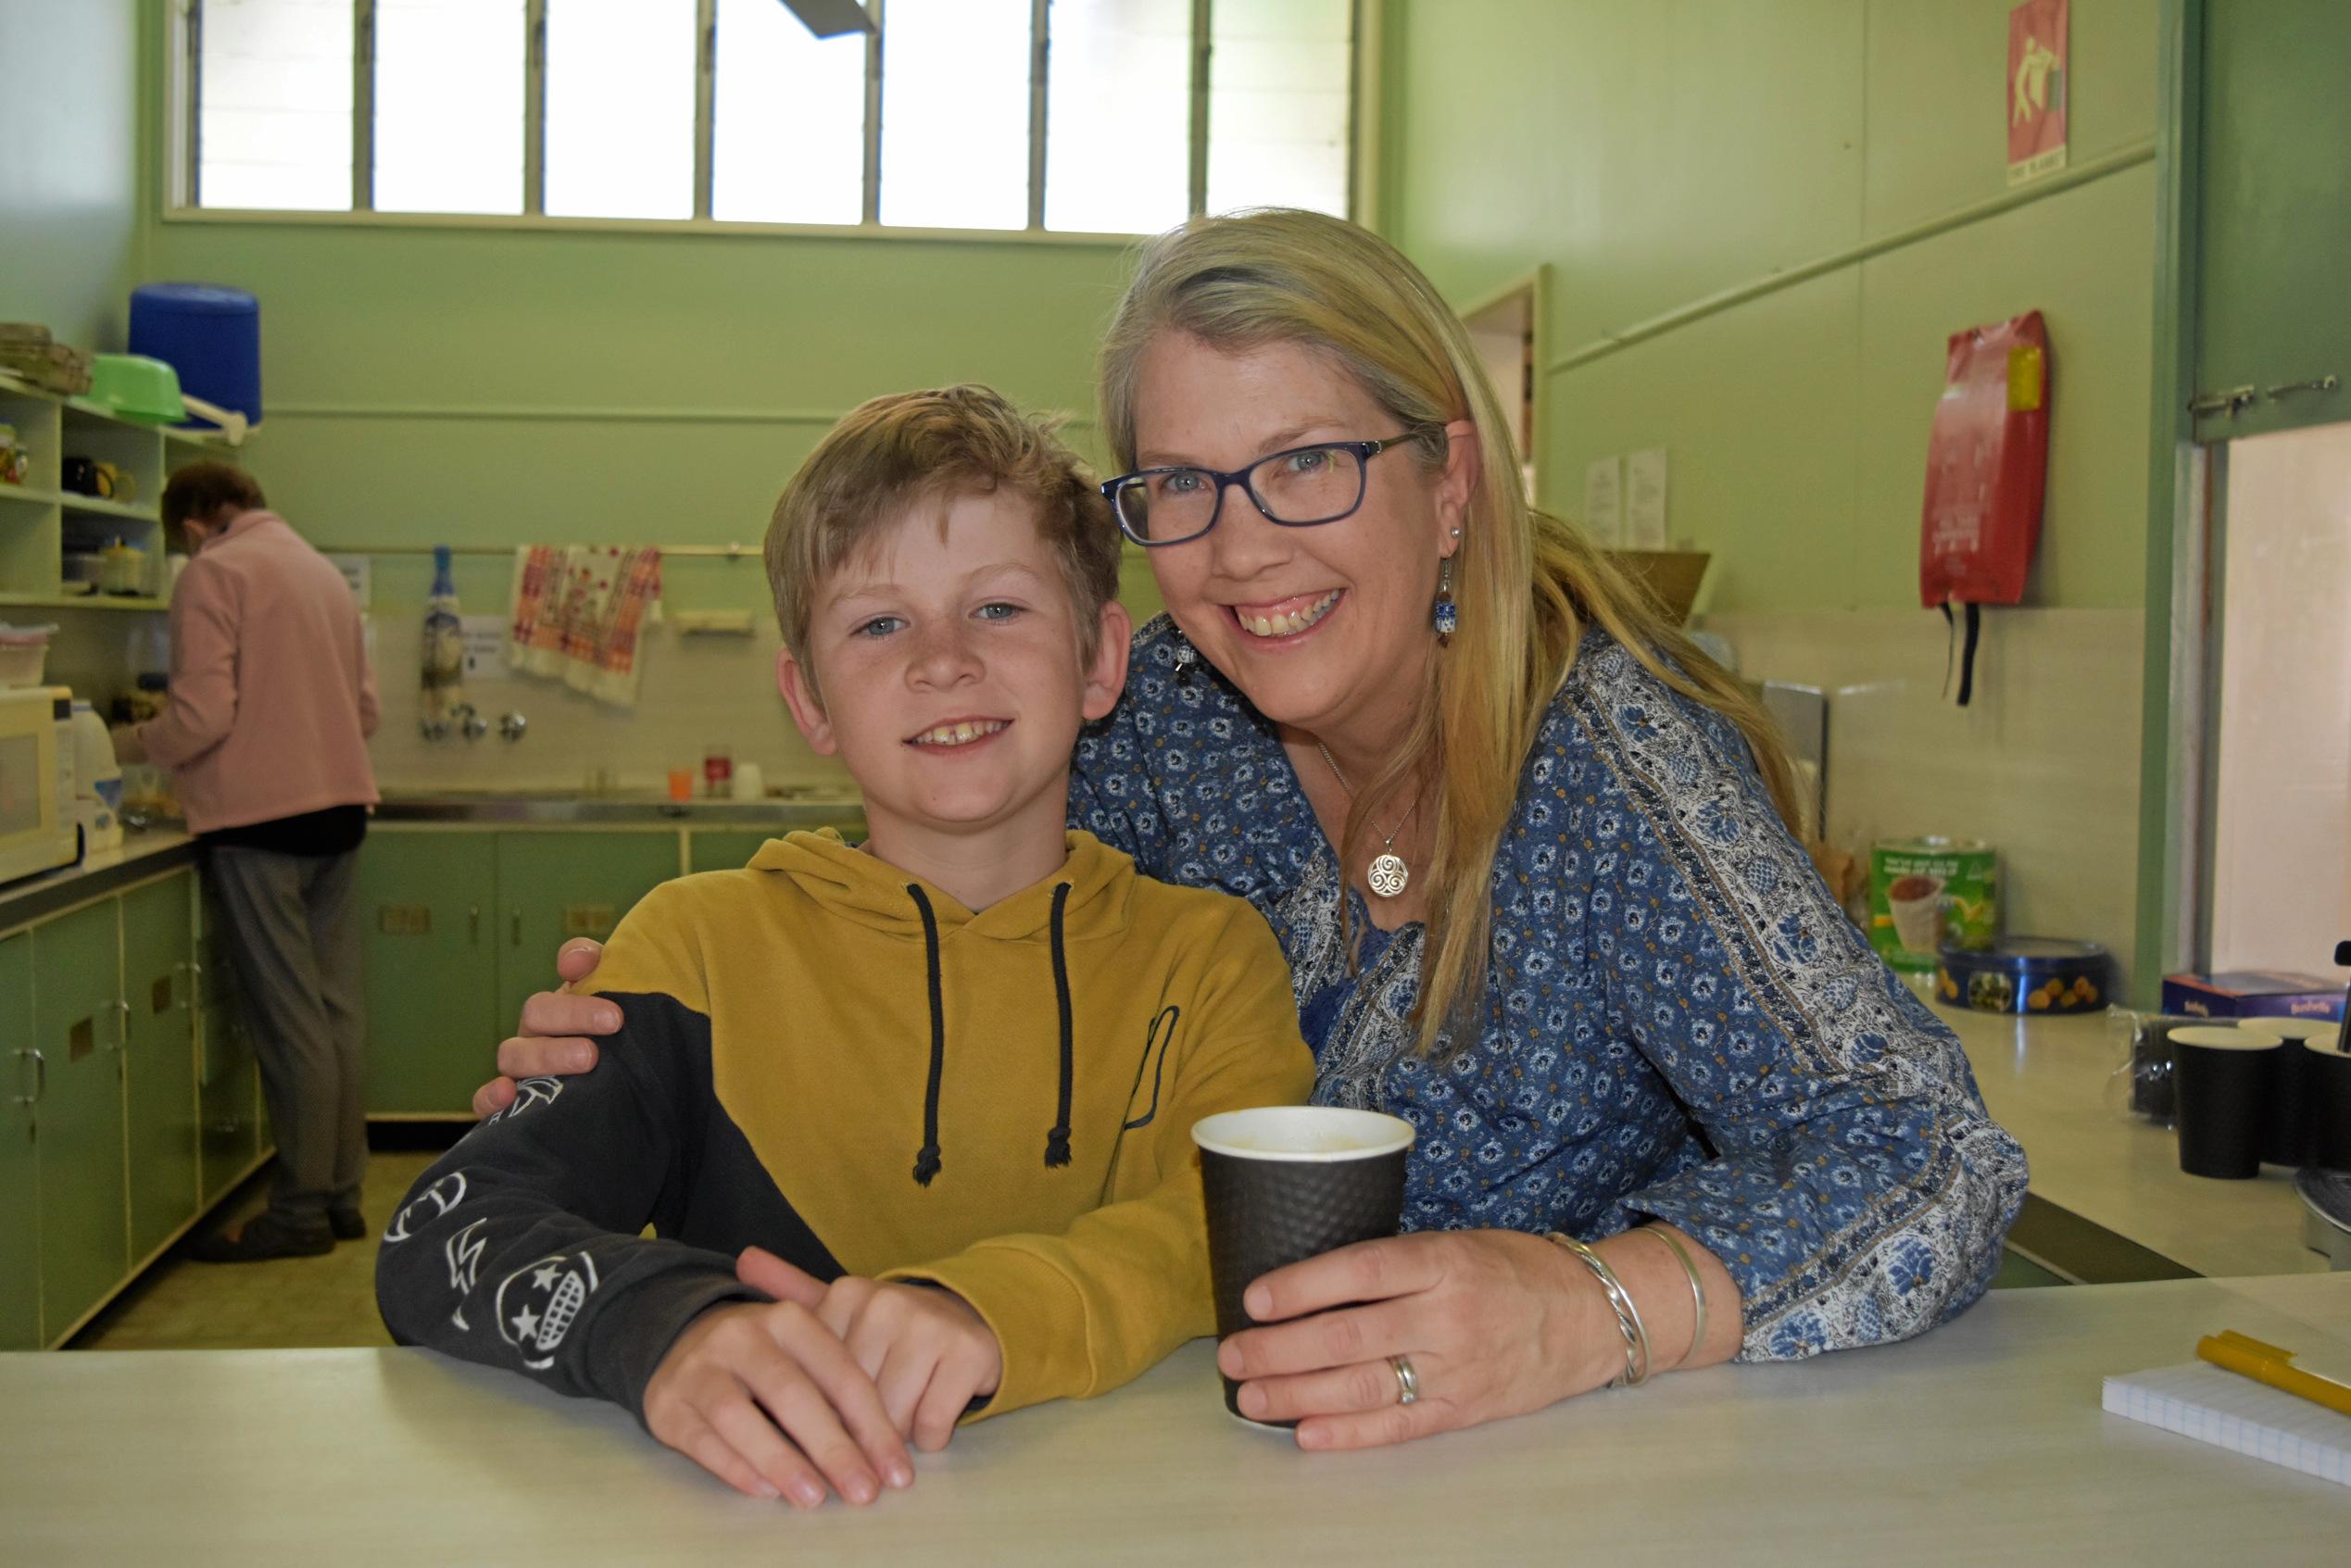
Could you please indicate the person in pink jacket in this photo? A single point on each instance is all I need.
(272, 703)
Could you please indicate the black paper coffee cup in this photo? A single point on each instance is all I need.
(1287, 1183)
(2286, 1132)
(2327, 1096)
(2224, 1077)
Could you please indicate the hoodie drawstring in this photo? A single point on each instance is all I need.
(1057, 1141)
(926, 1162)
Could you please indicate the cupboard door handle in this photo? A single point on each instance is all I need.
(2315, 383)
(473, 923)
(123, 1033)
(2227, 402)
(40, 1078)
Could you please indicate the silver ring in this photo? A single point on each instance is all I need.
(1407, 1380)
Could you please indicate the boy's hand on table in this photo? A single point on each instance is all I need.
(767, 1398)
(553, 1036)
(927, 1351)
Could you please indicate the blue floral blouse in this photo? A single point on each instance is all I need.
(1679, 1020)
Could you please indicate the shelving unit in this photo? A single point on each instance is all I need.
(40, 521)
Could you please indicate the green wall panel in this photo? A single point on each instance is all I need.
(69, 183)
(2068, 257)
(1655, 156)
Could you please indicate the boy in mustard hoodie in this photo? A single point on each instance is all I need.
(947, 1077)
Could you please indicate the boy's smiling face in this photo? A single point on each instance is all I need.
(952, 681)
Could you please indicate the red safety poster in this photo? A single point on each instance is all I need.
(2038, 82)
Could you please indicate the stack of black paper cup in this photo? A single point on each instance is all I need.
(2326, 1086)
(2287, 1129)
(1291, 1182)
(2225, 1074)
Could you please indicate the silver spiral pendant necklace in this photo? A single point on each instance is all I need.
(1388, 876)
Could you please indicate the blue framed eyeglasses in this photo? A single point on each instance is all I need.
(1299, 488)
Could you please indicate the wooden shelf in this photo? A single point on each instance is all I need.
(27, 494)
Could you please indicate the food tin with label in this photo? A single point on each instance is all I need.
(2033, 975)
(1928, 893)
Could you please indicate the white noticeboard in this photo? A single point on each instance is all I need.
(1604, 500)
(484, 639)
(1645, 499)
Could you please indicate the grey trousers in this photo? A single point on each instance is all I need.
(294, 936)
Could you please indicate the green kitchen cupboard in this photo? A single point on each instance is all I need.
(160, 1065)
(230, 1109)
(228, 1120)
(726, 850)
(428, 907)
(2273, 343)
(78, 1029)
(553, 886)
(19, 1155)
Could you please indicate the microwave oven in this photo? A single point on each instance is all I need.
(38, 828)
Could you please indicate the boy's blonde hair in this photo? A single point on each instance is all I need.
(916, 446)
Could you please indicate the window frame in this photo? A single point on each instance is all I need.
(183, 87)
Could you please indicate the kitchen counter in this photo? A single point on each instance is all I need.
(779, 814)
(144, 853)
(2046, 1081)
(1982, 1442)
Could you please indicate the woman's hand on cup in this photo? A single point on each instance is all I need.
(1493, 1323)
(554, 1037)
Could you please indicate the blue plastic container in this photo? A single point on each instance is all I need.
(212, 336)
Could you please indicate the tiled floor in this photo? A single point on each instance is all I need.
(292, 1302)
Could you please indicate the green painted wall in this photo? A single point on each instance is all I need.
(68, 165)
(1653, 155)
(500, 385)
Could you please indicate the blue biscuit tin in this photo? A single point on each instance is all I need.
(2035, 977)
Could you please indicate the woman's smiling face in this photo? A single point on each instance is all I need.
(1324, 628)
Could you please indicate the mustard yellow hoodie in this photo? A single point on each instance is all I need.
(827, 1057)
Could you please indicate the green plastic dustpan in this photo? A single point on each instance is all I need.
(136, 387)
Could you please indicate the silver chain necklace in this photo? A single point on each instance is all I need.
(1388, 874)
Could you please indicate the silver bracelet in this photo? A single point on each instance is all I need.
(1628, 1322)
(1697, 1290)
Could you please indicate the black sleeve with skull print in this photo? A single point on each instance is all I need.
(522, 1247)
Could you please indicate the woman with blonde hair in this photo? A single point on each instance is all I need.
(1527, 850)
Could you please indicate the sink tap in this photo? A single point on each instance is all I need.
(512, 726)
(470, 721)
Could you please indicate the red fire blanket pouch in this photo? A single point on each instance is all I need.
(1987, 463)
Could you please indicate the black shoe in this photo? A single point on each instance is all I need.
(348, 1225)
(264, 1237)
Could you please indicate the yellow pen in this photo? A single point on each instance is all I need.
(2266, 1364)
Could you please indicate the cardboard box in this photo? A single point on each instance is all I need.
(2252, 993)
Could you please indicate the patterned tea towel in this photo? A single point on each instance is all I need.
(580, 613)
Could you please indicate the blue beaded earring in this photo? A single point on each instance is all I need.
(1446, 616)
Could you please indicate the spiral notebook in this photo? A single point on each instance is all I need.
(2202, 1401)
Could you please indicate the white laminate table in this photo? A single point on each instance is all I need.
(2047, 1081)
(1980, 1443)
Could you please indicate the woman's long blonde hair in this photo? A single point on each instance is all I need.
(1528, 584)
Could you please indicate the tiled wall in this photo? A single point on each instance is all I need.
(2043, 763)
(692, 690)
